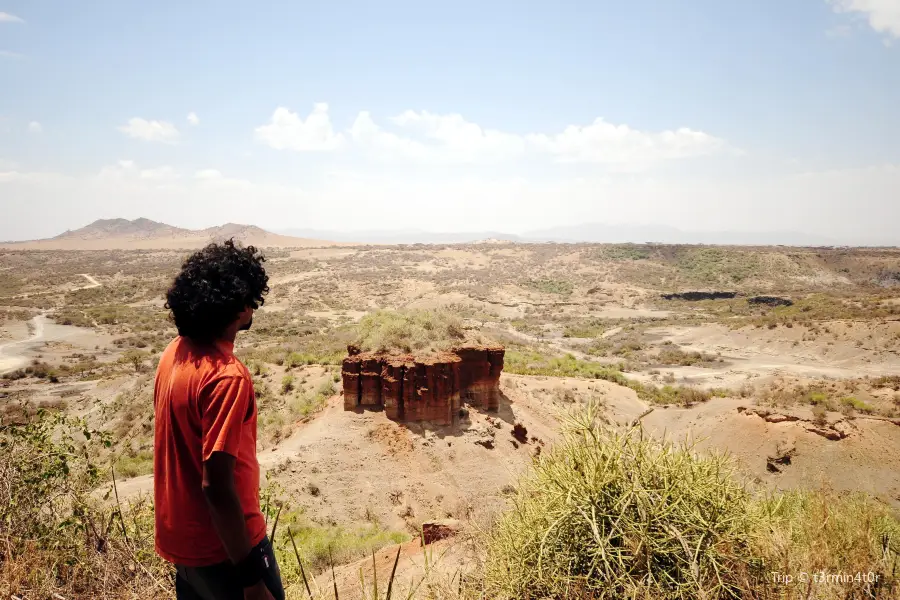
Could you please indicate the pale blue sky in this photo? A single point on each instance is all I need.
(787, 107)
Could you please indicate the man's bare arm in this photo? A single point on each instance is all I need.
(228, 515)
(225, 506)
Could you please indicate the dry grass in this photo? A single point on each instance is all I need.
(670, 354)
(530, 362)
(601, 515)
(57, 536)
(63, 538)
(862, 396)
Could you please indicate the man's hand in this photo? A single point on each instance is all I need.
(258, 592)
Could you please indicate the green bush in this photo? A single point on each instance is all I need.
(551, 286)
(672, 355)
(315, 349)
(609, 515)
(616, 515)
(818, 532)
(134, 464)
(410, 331)
(625, 252)
(857, 404)
(817, 398)
(718, 265)
(308, 404)
(317, 545)
(530, 362)
(38, 369)
(588, 328)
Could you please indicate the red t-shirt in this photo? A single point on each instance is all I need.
(204, 403)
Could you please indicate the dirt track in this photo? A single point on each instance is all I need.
(16, 354)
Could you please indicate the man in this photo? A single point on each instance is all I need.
(206, 476)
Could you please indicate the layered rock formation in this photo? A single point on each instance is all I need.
(431, 388)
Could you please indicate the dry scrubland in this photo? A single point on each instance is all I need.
(619, 488)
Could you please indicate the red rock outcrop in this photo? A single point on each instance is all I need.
(480, 376)
(433, 531)
(425, 388)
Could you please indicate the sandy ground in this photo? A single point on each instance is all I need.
(50, 340)
(419, 570)
(868, 459)
(362, 462)
(760, 354)
(15, 355)
(42, 331)
(363, 465)
(92, 283)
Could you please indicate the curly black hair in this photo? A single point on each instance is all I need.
(215, 285)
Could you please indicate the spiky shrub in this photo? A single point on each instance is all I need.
(617, 515)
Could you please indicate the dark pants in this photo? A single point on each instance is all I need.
(218, 582)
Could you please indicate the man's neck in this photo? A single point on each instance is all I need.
(229, 334)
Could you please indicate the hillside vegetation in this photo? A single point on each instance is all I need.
(804, 394)
(601, 515)
(419, 331)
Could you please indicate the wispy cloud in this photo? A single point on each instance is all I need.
(35, 127)
(8, 18)
(193, 119)
(883, 15)
(11, 55)
(424, 137)
(150, 131)
(289, 131)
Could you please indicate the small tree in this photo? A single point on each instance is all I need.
(287, 383)
(136, 358)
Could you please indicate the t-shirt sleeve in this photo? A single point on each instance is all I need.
(225, 404)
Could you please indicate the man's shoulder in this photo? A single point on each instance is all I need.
(225, 364)
(212, 361)
(231, 366)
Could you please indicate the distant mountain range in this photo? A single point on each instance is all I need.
(144, 234)
(593, 232)
(406, 236)
(598, 232)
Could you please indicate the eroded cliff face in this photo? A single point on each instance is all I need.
(429, 388)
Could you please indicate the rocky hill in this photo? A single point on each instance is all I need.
(145, 234)
(112, 228)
